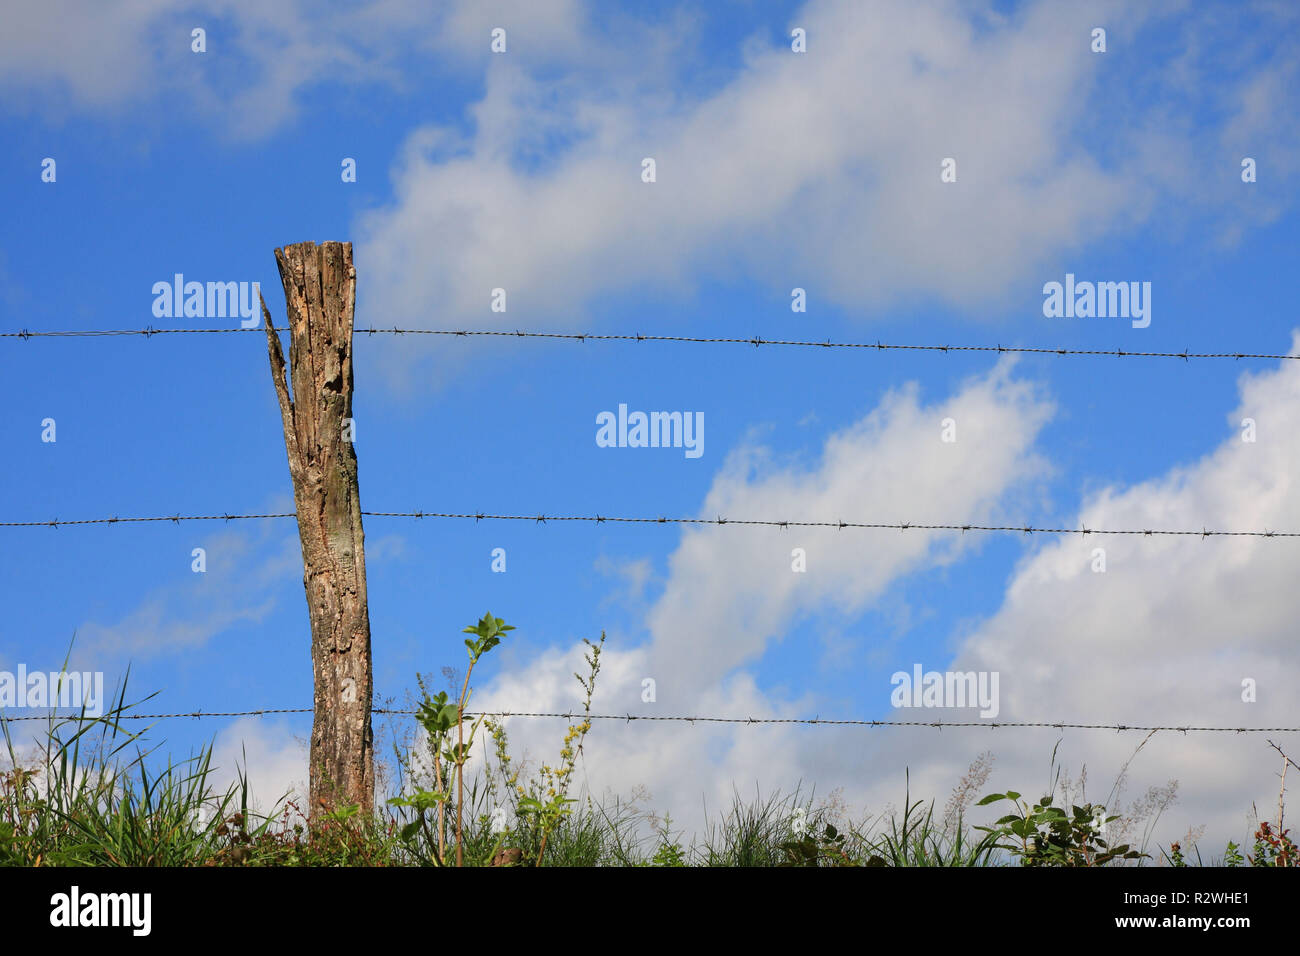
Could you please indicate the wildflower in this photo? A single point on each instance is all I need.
(799, 822)
(499, 824)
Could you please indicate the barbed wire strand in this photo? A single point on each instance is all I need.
(629, 718)
(718, 521)
(756, 340)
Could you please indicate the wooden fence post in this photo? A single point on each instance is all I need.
(320, 286)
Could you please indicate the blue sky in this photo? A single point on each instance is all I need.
(775, 170)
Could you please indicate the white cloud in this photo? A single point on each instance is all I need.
(731, 593)
(271, 757)
(86, 52)
(245, 571)
(819, 170)
(1171, 629)
(86, 56)
(1165, 636)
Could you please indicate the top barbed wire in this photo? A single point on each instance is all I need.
(756, 341)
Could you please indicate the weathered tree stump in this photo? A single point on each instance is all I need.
(320, 286)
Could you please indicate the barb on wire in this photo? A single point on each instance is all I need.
(754, 340)
(147, 332)
(193, 713)
(662, 519)
(175, 519)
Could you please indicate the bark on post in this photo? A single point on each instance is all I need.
(320, 297)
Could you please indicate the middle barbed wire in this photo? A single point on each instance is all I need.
(664, 520)
(753, 340)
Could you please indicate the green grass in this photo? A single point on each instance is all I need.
(88, 797)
